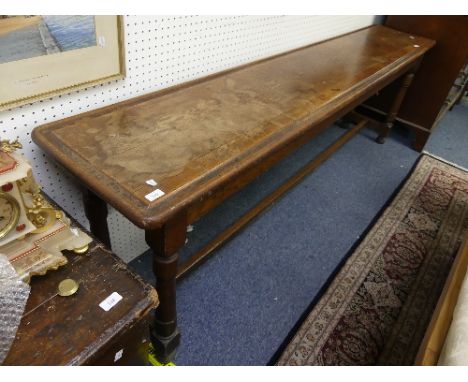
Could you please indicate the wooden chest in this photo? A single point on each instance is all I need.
(75, 330)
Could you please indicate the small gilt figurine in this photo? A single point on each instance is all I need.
(8, 147)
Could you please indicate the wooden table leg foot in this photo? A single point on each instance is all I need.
(164, 348)
(386, 128)
(380, 140)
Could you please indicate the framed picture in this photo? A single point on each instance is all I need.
(42, 56)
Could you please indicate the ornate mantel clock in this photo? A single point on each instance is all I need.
(32, 231)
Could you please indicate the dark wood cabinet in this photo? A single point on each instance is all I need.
(426, 99)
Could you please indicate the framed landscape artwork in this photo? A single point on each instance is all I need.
(42, 56)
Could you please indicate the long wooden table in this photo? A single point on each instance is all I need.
(203, 141)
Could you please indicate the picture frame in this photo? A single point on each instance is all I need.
(44, 56)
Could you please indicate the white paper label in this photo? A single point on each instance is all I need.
(154, 195)
(151, 182)
(102, 41)
(118, 355)
(110, 301)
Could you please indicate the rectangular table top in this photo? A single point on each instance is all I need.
(191, 138)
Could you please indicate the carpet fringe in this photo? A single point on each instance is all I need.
(444, 160)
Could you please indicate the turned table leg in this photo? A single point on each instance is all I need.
(392, 114)
(96, 211)
(165, 242)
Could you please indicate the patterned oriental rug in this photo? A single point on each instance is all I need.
(377, 308)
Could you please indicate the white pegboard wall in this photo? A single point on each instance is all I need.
(162, 51)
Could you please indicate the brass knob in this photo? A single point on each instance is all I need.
(67, 287)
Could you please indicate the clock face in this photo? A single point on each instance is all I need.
(9, 213)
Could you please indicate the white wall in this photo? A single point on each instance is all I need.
(162, 51)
